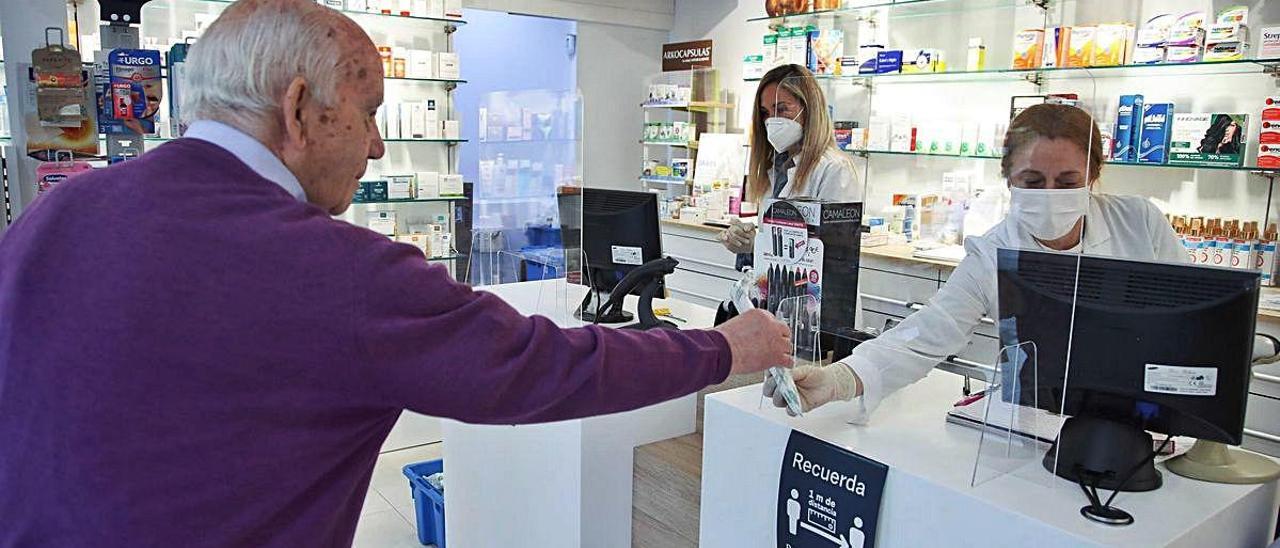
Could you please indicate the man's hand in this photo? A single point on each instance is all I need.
(817, 386)
(739, 237)
(757, 340)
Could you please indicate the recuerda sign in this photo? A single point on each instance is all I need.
(686, 55)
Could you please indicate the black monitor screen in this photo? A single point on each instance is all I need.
(1129, 324)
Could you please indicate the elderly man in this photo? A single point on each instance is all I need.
(193, 352)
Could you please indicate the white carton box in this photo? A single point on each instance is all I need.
(422, 64)
(428, 184)
(451, 185)
(447, 66)
(400, 187)
(383, 222)
(452, 129)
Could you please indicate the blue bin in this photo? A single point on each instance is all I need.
(428, 503)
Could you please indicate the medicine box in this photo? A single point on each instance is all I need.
(383, 222)
(1055, 46)
(428, 184)
(1028, 46)
(1208, 139)
(1080, 46)
(1111, 45)
(888, 61)
(373, 191)
(1225, 51)
(400, 187)
(1182, 54)
(815, 247)
(1127, 134)
(447, 66)
(1269, 47)
(451, 185)
(452, 129)
(1154, 145)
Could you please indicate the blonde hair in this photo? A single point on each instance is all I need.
(819, 134)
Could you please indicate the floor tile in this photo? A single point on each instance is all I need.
(374, 502)
(388, 474)
(385, 530)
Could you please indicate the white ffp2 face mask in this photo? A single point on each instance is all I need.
(783, 133)
(1048, 214)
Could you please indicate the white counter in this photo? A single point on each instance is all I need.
(559, 484)
(928, 498)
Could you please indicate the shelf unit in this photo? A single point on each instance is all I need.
(697, 100)
(1204, 86)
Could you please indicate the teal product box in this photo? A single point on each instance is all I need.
(888, 61)
(1128, 135)
(371, 191)
(130, 93)
(1208, 139)
(1157, 120)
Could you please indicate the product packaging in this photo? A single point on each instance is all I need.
(393, 121)
(1188, 31)
(451, 185)
(1156, 122)
(1269, 136)
(976, 56)
(452, 130)
(1213, 140)
(1226, 51)
(811, 248)
(844, 134)
(799, 52)
(1234, 15)
(432, 121)
(1182, 54)
(903, 134)
(888, 61)
(418, 240)
(753, 67)
(1226, 32)
(1127, 135)
(769, 51)
(406, 121)
(177, 60)
(1028, 47)
(925, 60)
(422, 64)
(400, 187)
(1269, 48)
(383, 222)
(453, 8)
(825, 49)
(50, 174)
(427, 184)
(1080, 46)
(1055, 47)
(131, 97)
(867, 56)
(447, 66)
(371, 191)
(1111, 45)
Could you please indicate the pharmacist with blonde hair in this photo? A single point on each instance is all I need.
(793, 152)
(1053, 160)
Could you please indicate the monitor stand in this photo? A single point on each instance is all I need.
(1097, 453)
(1215, 462)
(600, 301)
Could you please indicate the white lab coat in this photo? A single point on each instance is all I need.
(831, 180)
(1129, 227)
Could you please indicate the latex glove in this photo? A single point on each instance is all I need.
(817, 386)
(739, 237)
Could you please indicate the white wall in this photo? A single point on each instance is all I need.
(1176, 190)
(614, 64)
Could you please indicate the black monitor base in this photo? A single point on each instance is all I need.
(597, 301)
(1097, 454)
(648, 277)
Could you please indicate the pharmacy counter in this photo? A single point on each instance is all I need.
(928, 493)
(561, 484)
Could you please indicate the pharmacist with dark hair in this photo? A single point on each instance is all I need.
(193, 351)
(793, 152)
(1053, 160)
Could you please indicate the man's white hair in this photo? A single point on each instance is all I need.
(241, 67)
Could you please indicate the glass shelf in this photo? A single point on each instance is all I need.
(445, 258)
(690, 144)
(164, 5)
(1203, 68)
(666, 180)
(441, 80)
(442, 199)
(905, 8)
(448, 141)
(1249, 169)
(694, 106)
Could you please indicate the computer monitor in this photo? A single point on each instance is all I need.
(619, 234)
(1124, 347)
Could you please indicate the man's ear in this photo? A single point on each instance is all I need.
(295, 101)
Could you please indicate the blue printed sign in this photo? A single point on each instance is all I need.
(828, 497)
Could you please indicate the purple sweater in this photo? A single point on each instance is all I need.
(191, 357)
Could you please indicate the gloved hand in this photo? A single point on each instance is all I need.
(817, 386)
(739, 237)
